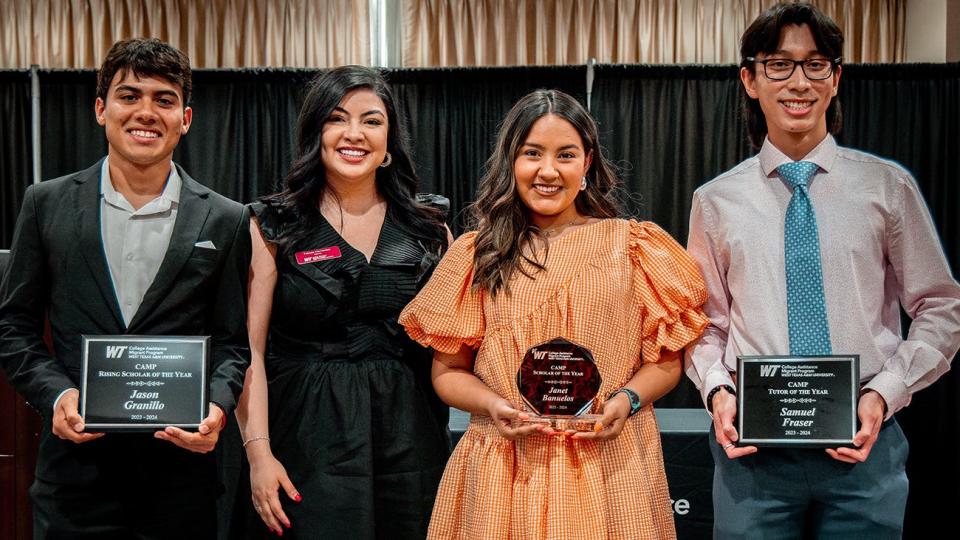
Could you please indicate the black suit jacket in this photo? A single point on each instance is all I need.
(57, 269)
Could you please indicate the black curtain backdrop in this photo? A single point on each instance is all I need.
(16, 147)
(670, 128)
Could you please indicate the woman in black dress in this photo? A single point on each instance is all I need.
(343, 433)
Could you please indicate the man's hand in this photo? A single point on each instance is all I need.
(67, 423)
(724, 411)
(204, 440)
(870, 410)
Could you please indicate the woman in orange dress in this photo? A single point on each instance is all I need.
(548, 259)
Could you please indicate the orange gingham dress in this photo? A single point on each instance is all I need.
(623, 289)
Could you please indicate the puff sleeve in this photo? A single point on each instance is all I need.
(270, 216)
(447, 313)
(669, 288)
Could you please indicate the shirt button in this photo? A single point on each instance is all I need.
(129, 256)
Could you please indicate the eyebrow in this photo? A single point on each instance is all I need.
(541, 147)
(138, 91)
(368, 113)
(787, 53)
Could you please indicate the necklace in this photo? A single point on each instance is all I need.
(550, 231)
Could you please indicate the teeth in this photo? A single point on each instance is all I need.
(353, 153)
(143, 133)
(546, 189)
(796, 105)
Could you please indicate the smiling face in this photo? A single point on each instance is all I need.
(548, 168)
(144, 119)
(796, 108)
(354, 137)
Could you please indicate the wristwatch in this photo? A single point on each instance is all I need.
(713, 392)
(635, 403)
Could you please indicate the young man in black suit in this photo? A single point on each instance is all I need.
(131, 245)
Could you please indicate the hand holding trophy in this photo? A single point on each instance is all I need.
(558, 381)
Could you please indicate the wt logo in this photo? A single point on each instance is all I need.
(115, 351)
(768, 371)
(539, 355)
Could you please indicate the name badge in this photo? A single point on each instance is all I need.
(317, 255)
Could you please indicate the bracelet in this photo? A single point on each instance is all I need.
(713, 392)
(633, 397)
(251, 439)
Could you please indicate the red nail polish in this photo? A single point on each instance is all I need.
(297, 497)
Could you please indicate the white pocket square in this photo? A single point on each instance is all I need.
(205, 244)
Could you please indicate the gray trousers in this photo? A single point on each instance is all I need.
(782, 493)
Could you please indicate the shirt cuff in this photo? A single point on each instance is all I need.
(892, 389)
(713, 380)
(60, 395)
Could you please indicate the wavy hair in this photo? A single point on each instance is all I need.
(505, 231)
(306, 182)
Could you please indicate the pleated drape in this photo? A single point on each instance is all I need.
(538, 32)
(213, 33)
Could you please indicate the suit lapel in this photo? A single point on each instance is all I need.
(192, 212)
(86, 206)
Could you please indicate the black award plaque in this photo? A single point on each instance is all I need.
(131, 383)
(558, 381)
(797, 401)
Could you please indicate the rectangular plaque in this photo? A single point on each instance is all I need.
(805, 401)
(131, 383)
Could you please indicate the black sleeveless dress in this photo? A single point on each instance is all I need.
(353, 415)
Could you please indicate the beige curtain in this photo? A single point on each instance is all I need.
(213, 33)
(523, 32)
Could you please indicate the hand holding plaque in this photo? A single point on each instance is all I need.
(805, 401)
(558, 381)
(141, 383)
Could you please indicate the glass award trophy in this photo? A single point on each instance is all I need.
(558, 381)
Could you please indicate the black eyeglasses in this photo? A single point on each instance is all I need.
(781, 69)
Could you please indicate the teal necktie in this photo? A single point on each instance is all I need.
(806, 306)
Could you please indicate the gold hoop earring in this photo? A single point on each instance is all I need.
(386, 160)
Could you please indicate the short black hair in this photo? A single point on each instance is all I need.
(146, 58)
(763, 36)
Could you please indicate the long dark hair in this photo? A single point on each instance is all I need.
(763, 36)
(502, 221)
(306, 181)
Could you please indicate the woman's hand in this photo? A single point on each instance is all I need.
(614, 416)
(504, 414)
(267, 476)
